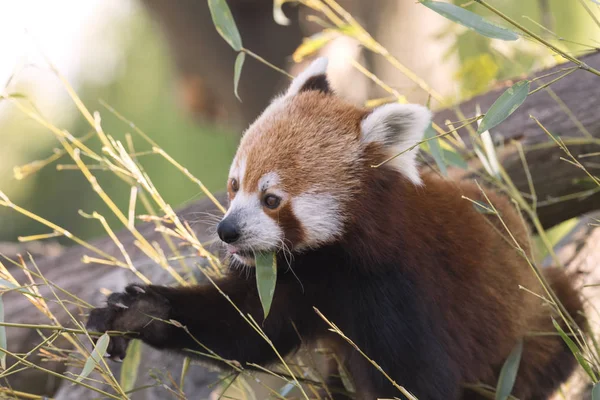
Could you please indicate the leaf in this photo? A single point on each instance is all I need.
(9, 285)
(476, 73)
(266, 278)
(95, 357)
(184, 371)
(286, 389)
(435, 149)
(131, 364)
(453, 158)
(585, 183)
(596, 392)
(17, 96)
(575, 350)
(223, 20)
(504, 106)
(313, 44)
(3, 342)
(237, 72)
(482, 207)
(554, 235)
(470, 20)
(508, 374)
(490, 151)
(278, 14)
(372, 103)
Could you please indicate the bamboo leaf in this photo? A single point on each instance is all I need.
(17, 96)
(237, 72)
(470, 20)
(508, 374)
(95, 357)
(575, 350)
(131, 364)
(7, 284)
(286, 389)
(224, 23)
(278, 14)
(266, 278)
(453, 158)
(596, 392)
(3, 341)
(504, 106)
(184, 371)
(435, 149)
(491, 160)
(11, 286)
(482, 207)
(312, 44)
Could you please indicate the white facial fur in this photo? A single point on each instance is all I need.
(259, 232)
(318, 213)
(320, 216)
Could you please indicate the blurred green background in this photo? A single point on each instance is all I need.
(143, 91)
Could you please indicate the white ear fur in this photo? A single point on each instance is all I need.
(398, 127)
(317, 67)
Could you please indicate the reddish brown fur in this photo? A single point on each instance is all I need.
(285, 217)
(307, 129)
(468, 265)
(466, 261)
(424, 283)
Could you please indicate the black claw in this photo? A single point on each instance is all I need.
(120, 300)
(125, 312)
(117, 348)
(135, 289)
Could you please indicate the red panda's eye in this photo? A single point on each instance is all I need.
(234, 185)
(271, 201)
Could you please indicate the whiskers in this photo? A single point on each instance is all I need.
(212, 220)
(287, 253)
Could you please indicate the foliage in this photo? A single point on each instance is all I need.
(130, 183)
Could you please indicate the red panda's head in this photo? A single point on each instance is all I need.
(303, 162)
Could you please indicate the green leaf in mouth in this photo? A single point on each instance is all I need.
(266, 278)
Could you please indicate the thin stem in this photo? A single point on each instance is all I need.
(545, 85)
(60, 376)
(267, 63)
(63, 329)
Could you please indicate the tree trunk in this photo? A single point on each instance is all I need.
(552, 178)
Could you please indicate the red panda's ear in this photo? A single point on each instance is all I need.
(314, 77)
(398, 127)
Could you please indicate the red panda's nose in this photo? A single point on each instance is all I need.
(228, 230)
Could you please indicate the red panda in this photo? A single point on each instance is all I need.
(412, 273)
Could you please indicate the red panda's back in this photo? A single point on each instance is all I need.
(478, 283)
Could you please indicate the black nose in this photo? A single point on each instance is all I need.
(228, 231)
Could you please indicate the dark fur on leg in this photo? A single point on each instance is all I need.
(209, 317)
(348, 299)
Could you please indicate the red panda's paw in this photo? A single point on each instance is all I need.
(139, 312)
